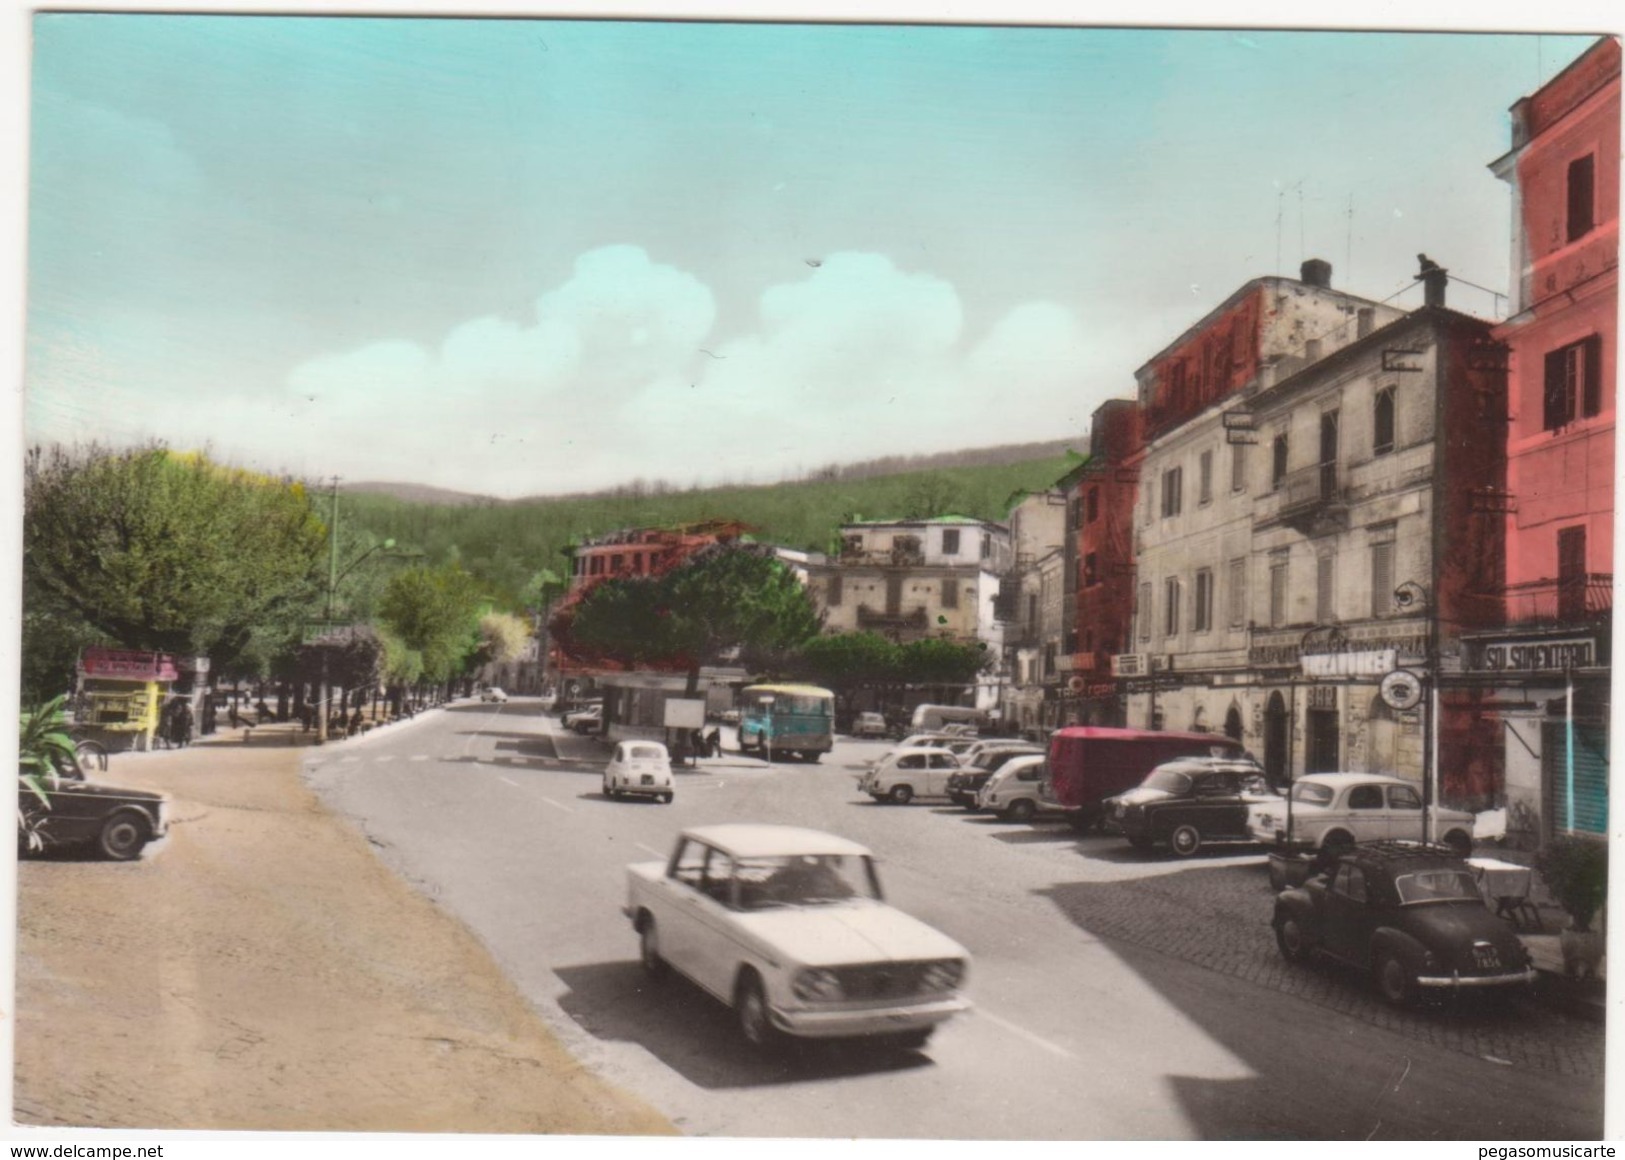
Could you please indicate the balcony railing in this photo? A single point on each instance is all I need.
(1586, 596)
(1311, 494)
(916, 619)
(890, 558)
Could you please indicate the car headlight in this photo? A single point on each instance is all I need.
(942, 976)
(816, 983)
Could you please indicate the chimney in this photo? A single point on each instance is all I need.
(1365, 321)
(1434, 279)
(1316, 272)
(1311, 349)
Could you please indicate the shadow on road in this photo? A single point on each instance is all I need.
(696, 1036)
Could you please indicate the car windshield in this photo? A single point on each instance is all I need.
(1312, 793)
(804, 880)
(1449, 885)
(644, 752)
(1168, 780)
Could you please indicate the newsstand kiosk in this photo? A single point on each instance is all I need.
(119, 695)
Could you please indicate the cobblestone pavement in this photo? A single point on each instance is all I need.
(1218, 917)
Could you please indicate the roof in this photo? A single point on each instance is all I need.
(792, 690)
(1338, 780)
(745, 840)
(1406, 853)
(1212, 764)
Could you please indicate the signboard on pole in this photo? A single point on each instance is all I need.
(685, 713)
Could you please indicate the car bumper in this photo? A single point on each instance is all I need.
(1452, 982)
(645, 790)
(815, 1024)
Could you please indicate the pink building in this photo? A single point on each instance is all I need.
(1550, 665)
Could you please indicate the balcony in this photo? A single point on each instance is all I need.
(1312, 499)
(915, 620)
(1583, 597)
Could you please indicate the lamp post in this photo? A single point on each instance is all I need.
(767, 726)
(334, 576)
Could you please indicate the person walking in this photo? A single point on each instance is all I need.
(183, 724)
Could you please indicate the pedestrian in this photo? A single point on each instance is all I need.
(183, 724)
(713, 742)
(231, 712)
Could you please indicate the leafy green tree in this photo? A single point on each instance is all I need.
(434, 612)
(847, 663)
(502, 637)
(724, 598)
(942, 661)
(165, 551)
(53, 636)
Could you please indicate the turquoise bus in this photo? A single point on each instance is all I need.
(786, 721)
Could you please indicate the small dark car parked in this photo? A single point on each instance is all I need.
(963, 785)
(1410, 914)
(119, 822)
(1189, 803)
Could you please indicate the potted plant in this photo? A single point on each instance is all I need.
(42, 743)
(1575, 870)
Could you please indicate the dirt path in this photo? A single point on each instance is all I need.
(265, 971)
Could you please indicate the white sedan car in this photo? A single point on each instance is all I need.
(788, 926)
(1340, 809)
(639, 769)
(907, 774)
(493, 694)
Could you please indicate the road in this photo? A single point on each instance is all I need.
(1117, 996)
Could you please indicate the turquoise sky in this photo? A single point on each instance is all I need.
(521, 257)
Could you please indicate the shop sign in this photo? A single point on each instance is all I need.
(127, 664)
(1545, 656)
(1354, 663)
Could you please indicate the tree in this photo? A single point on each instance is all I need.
(933, 494)
(942, 661)
(168, 552)
(502, 637)
(725, 597)
(434, 612)
(846, 663)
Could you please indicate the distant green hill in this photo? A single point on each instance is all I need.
(506, 543)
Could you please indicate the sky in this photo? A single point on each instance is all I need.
(537, 256)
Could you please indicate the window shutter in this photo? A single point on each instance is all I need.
(1556, 383)
(1592, 373)
(1382, 579)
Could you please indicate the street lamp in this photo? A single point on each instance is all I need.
(767, 726)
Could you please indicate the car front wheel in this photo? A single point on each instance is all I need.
(755, 1024)
(1394, 978)
(902, 794)
(1185, 840)
(122, 837)
(1289, 937)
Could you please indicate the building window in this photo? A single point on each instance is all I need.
(1142, 611)
(950, 542)
(1032, 610)
(987, 546)
(1238, 592)
(1582, 196)
(1090, 576)
(1382, 570)
(637, 563)
(1094, 504)
(950, 593)
(1170, 606)
(851, 545)
(1202, 614)
(1571, 573)
(615, 562)
(1204, 477)
(1173, 486)
(1278, 461)
(1382, 423)
(833, 592)
(1238, 467)
(1325, 602)
(596, 566)
(1278, 593)
(1573, 377)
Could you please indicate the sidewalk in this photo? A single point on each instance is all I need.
(261, 969)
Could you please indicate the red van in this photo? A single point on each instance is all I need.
(1090, 763)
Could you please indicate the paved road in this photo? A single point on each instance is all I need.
(1117, 997)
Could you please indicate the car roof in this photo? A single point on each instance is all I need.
(749, 840)
(1399, 855)
(1211, 765)
(1339, 780)
(1022, 761)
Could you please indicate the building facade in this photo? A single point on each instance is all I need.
(1549, 663)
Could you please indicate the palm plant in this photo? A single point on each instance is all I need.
(42, 743)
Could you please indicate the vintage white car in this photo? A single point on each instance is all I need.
(639, 769)
(905, 774)
(1340, 809)
(789, 927)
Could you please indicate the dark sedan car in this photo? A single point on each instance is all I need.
(1189, 803)
(119, 822)
(1410, 914)
(963, 785)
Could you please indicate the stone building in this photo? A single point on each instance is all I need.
(1548, 664)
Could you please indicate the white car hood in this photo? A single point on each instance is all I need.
(1140, 795)
(843, 933)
